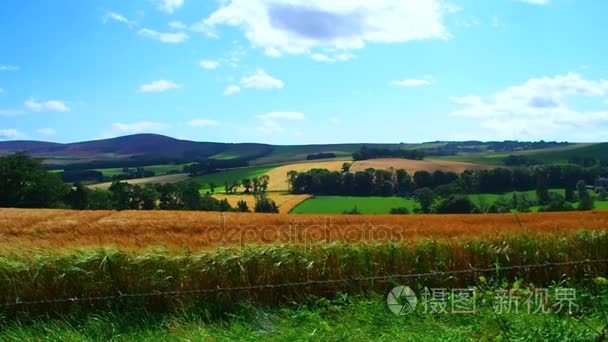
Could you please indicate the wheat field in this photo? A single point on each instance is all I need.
(64, 229)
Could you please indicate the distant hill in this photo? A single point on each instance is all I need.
(140, 146)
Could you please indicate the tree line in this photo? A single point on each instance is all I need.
(365, 153)
(24, 183)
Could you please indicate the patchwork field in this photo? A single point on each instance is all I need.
(285, 201)
(62, 229)
(413, 166)
(230, 176)
(278, 175)
(174, 178)
(340, 204)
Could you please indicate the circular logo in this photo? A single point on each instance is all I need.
(401, 300)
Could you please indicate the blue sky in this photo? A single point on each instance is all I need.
(304, 71)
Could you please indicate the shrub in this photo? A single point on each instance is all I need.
(400, 211)
(455, 204)
(263, 204)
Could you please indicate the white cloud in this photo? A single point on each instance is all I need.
(11, 134)
(178, 25)
(114, 16)
(158, 86)
(340, 57)
(536, 2)
(168, 6)
(9, 68)
(299, 26)
(535, 109)
(138, 127)
(261, 80)
(165, 37)
(46, 131)
(203, 123)
(209, 64)
(412, 82)
(51, 106)
(270, 121)
(232, 89)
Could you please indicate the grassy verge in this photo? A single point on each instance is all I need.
(344, 318)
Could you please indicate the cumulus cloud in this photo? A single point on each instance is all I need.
(209, 64)
(46, 106)
(164, 37)
(412, 82)
(261, 80)
(231, 90)
(270, 122)
(536, 108)
(11, 134)
(203, 123)
(158, 86)
(46, 131)
(299, 26)
(138, 127)
(5, 68)
(168, 6)
(178, 25)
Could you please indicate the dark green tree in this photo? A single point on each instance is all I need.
(586, 201)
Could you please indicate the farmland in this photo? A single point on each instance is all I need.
(278, 176)
(159, 170)
(60, 229)
(174, 178)
(341, 204)
(230, 176)
(285, 201)
(413, 166)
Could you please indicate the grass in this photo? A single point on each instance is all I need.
(340, 204)
(159, 170)
(490, 198)
(344, 318)
(230, 176)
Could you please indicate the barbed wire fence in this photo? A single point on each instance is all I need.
(119, 295)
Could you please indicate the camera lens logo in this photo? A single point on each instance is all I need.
(402, 300)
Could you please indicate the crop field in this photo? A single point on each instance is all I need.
(61, 229)
(285, 201)
(174, 178)
(230, 176)
(415, 165)
(278, 175)
(340, 204)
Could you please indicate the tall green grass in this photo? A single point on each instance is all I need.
(39, 275)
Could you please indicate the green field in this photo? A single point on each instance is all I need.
(557, 155)
(340, 204)
(158, 170)
(229, 176)
(491, 198)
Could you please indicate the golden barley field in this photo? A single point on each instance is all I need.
(285, 201)
(175, 178)
(413, 166)
(63, 229)
(278, 176)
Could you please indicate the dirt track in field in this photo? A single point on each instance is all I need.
(21, 229)
(416, 165)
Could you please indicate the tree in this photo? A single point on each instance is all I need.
(241, 206)
(190, 195)
(100, 200)
(149, 197)
(263, 204)
(291, 178)
(542, 190)
(78, 197)
(346, 167)
(246, 183)
(400, 211)
(264, 182)
(404, 184)
(425, 197)
(122, 192)
(212, 187)
(456, 204)
(423, 179)
(586, 201)
(557, 202)
(25, 183)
